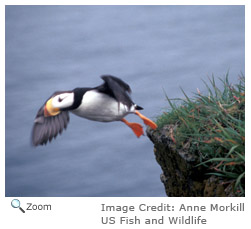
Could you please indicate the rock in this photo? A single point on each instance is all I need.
(181, 176)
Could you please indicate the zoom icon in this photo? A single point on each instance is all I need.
(15, 203)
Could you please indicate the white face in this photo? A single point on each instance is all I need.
(63, 100)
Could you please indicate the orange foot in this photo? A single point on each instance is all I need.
(146, 120)
(136, 127)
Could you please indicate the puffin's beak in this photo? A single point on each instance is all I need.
(49, 110)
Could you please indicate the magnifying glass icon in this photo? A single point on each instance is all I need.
(15, 203)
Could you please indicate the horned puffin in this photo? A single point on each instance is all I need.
(105, 103)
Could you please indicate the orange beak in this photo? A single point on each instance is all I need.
(49, 110)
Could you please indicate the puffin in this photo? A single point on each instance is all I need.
(108, 102)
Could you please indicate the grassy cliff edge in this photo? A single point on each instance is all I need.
(200, 142)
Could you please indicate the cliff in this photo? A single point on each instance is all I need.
(200, 142)
(181, 176)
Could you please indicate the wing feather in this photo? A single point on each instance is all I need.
(46, 128)
(116, 88)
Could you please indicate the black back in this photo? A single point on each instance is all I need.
(117, 89)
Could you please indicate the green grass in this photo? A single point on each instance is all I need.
(214, 124)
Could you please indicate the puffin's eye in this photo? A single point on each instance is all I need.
(59, 99)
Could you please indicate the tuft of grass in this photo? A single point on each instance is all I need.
(214, 124)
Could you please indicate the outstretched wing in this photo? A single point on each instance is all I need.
(117, 88)
(46, 128)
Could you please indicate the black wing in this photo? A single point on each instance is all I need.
(116, 88)
(47, 128)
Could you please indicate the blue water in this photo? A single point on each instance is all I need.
(152, 48)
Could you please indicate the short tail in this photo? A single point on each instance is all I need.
(138, 107)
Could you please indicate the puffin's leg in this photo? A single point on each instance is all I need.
(136, 127)
(146, 120)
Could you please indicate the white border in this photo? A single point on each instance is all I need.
(82, 212)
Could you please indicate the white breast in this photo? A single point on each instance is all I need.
(101, 107)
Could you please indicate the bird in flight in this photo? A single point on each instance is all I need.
(105, 103)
